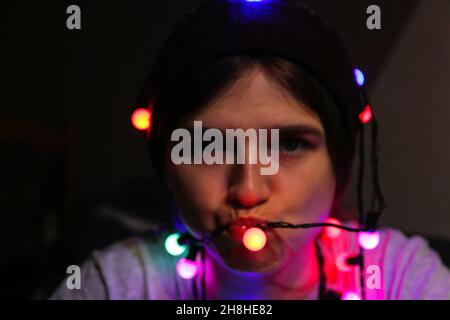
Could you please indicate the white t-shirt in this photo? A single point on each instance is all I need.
(140, 268)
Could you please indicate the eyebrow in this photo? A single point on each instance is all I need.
(295, 129)
(300, 129)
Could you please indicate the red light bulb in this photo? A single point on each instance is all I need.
(141, 119)
(366, 115)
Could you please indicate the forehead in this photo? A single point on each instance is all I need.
(256, 101)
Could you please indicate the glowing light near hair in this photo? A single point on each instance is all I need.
(369, 240)
(341, 262)
(141, 119)
(187, 269)
(332, 232)
(350, 295)
(359, 77)
(366, 115)
(253, 0)
(254, 239)
(172, 246)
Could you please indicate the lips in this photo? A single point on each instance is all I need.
(237, 227)
(230, 247)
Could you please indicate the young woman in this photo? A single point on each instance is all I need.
(261, 65)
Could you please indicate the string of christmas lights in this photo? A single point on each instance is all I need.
(254, 237)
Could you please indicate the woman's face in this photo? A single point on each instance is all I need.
(302, 191)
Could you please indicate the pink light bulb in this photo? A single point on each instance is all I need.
(369, 240)
(187, 269)
(332, 232)
(350, 295)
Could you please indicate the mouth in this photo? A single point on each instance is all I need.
(237, 255)
(239, 226)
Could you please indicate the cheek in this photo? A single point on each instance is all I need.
(198, 193)
(307, 196)
(307, 189)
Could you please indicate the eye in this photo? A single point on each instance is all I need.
(292, 146)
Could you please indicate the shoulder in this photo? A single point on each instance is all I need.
(126, 266)
(411, 269)
(136, 268)
(399, 267)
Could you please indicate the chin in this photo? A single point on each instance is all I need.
(238, 259)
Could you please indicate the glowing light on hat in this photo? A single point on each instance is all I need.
(141, 119)
(359, 77)
(366, 115)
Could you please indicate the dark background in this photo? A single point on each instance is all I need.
(75, 175)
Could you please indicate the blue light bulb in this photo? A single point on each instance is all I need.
(359, 77)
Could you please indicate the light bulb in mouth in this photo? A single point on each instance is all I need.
(250, 245)
(254, 239)
(248, 232)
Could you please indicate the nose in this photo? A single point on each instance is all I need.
(248, 189)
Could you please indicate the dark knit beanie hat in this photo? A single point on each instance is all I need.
(283, 28)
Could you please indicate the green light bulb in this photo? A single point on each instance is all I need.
(172, 246)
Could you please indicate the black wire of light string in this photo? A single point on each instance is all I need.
(360, 200)
(322, 276)
(287, 225)
(274, 225)
(378, 203)
(194, 289)
(203, 279)
(377, 194)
